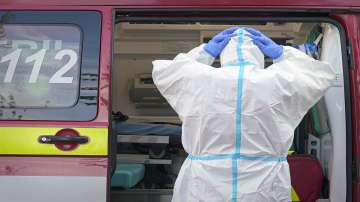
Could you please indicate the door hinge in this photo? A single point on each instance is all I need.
(350, 56)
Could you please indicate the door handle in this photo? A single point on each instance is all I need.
(51, 139)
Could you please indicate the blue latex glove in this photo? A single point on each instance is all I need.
(308, 48)
(265, 44)
(217, 44)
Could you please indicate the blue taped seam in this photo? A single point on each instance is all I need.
(239, 92)
(242, 63)
(264, 158)
(234, 170)
(237, 157)
(211, 157)
(238, 115)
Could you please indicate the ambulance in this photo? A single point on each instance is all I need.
(82, 121)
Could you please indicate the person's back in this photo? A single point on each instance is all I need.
(238, 120)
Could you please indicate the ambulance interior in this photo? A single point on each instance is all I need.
(147, 131)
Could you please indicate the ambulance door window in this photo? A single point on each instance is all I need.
(39, 65)
(49, 65)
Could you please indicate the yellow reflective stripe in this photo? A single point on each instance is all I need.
(294, 196)
(290, 152)
(24, 141)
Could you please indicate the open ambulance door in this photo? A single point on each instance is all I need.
(351, 24)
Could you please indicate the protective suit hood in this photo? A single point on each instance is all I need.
(241, 49)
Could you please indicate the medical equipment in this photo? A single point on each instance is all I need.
(127, 175)
(146, 151)
(314, 146)
(144, 93)
(306, 176)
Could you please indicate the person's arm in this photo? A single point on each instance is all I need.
(299, 82)
(172, 77)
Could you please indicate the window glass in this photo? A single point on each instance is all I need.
(39, 65)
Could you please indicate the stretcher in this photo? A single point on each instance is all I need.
(128, 128)
(142, 146)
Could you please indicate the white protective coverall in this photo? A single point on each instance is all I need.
(238, 121)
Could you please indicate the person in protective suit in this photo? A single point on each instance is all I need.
(238, 121)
